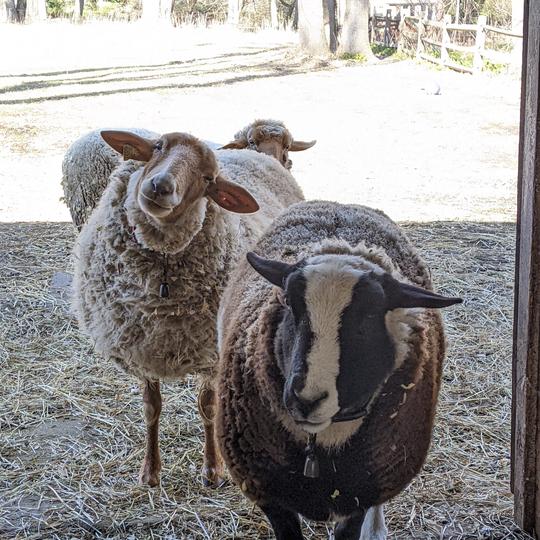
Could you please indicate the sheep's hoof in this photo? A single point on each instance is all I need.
(212, 477)
(149, 473)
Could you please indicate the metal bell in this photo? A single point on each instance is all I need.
(311, 466)
(164, 290)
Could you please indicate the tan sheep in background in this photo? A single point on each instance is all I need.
(269, 137)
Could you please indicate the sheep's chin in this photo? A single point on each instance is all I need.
(314, 428)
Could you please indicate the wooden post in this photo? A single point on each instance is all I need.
(479, 44)
(526, 347)
(445, 58)
(419, 43)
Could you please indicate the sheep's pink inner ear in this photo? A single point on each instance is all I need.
(236, 145)
(128, 144)
(298, 146)
(232, 197)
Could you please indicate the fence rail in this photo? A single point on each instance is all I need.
(480, 53)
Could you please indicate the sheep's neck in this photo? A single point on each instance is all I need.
(164, 285)
(170, 238)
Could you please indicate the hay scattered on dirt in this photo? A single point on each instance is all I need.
(71, 429)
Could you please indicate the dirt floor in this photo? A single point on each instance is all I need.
(71, 430)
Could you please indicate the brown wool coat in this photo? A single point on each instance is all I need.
(390, 446)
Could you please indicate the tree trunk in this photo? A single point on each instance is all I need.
(157, 10)
(8, 11)
(233, 13)
(274, 14)
(311, 26)
(17, 10)
(355, 33)
(332, 24)
(78, 9)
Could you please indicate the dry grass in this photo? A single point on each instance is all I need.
(71, 430)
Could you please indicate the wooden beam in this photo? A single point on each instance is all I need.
(526, 349)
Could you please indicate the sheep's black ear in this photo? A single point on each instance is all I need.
(128, 144)
(403, 295)
(276, 272)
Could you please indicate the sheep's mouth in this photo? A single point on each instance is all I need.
(313, 427)
(153, 201)
(352, 413)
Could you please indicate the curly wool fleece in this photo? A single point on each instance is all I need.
(265, 454)
(117, 279)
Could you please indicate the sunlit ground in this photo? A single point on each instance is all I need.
(383, 140)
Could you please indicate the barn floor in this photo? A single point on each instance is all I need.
(71, 432)
(71, 428)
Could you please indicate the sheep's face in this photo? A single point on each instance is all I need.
(333, 344)
(277, 146)
(271, 139)
(176, 176)
(179, 172)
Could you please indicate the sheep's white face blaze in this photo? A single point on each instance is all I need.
(328, 292)
(332, 344)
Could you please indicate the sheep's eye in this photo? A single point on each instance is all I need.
(158, 145)
(209, 179)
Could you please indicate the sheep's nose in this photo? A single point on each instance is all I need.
(298, 405)
(162, 185)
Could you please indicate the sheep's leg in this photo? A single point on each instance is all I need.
(351, 528)
(374, 527)
(151, 464)
(285, 523)
(212, 473)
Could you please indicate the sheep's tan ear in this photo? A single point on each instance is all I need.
(232, 197)
(234, 145)
(128, 144)
(298, 146)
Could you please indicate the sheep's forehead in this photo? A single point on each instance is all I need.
(272, 132)
(329, 287)
(184, 149)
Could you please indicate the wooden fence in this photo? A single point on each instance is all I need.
(384, 30)
(435, 42)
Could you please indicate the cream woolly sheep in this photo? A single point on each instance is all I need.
(330, 368)
(154, 256)
(86, 168)
(89, 161)
(269, 137)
